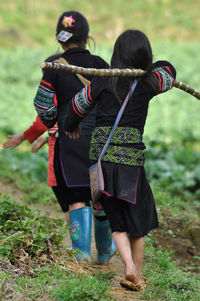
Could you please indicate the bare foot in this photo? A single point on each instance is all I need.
(134, 278)
(131, 274)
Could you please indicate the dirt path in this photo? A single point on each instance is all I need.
(184, 251)
(54, 211)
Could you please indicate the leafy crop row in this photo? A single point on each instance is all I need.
(175, 168)
(23, 232)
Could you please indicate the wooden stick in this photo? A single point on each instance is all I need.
(113, 72)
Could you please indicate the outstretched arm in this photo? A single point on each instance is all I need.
(14, 140)
(31, 134)
(35, 130)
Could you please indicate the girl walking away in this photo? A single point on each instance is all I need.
(71, 158)
(127, 198)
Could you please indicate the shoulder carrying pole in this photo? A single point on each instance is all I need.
(112, 73)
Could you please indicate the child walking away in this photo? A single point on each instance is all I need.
(127, 198)
(71, 157)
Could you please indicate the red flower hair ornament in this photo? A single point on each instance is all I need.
(68, 21)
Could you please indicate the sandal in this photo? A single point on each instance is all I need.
(131, 286)
(144, 281)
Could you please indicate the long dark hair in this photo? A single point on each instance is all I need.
(132, 50)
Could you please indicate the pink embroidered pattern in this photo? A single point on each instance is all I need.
(75, 231)
(67, 21)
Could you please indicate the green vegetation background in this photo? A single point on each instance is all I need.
(27, 34)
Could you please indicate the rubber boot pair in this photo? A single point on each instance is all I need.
(80, 232)
(103, 238)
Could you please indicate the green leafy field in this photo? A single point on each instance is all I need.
(32, 23)
(173, 116)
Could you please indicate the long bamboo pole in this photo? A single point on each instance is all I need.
(111, 73)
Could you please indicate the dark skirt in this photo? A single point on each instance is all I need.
(59, 193)
(69, 177)
(74, 158)
(128, 200)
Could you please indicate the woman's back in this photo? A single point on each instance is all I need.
(66, 84)
(136, 110)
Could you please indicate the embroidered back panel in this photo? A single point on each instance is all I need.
(121, 149)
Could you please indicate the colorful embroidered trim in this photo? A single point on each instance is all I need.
(127, 155)
(53, 130)
(44, 103)
(67, 21)
(165, 79)
(64, 36)
(82, 103)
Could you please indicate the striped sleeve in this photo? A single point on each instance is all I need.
(44, 103)
(82, 102)
(165, 75)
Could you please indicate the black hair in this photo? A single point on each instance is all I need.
(79, 28)
(132, 50)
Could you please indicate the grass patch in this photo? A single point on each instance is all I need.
(28, 173)
(82, 289)
(60, 284)
(27, 234)
(34, 263)
(32, 23)
(61, 279)
(166, 280)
